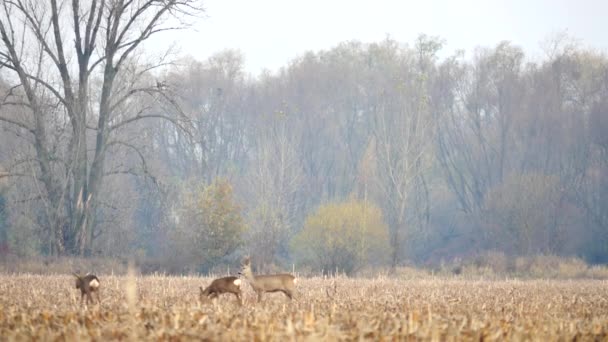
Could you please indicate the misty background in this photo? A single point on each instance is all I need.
(368, 152)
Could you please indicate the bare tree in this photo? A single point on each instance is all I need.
(403, 132)
(213, 94)
(273, 184)
(475, 132)
(81, 81)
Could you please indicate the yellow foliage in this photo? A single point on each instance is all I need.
(343, 236)
(210, 225)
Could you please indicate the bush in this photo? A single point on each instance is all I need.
(497, 265)
(343, 237)
(209, 227)
(520, 214)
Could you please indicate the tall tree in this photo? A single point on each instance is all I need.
(403, 131)
(273, 184)
(85, 78)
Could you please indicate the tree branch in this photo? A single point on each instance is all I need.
(144, 35)
(17, 123)
(62, 64)
(144, 165)
(76, 19)
(13, 174)
(129, 94)
(143, 116)
(43, 82)
(36, 28)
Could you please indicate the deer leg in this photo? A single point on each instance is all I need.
(238, 297)
(259, 296)
(288, 294)
(98, 299)
(89, 298)
(81, 297)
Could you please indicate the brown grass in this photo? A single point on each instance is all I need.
(166, 308)
(61, 265)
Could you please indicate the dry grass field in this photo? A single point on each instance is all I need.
(45, 308)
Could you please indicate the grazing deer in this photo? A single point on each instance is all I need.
(87, 284)
(285, 283)
(222, 285)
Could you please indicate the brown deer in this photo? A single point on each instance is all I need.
(285, 283)
(87, 284)
(222, 285)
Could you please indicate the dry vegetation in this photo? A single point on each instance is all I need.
(161, 307)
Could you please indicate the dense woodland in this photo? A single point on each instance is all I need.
(364, 155)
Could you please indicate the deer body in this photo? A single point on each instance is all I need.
(222, 285)
(285, 283)
(87, 285)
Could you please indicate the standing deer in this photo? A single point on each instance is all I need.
(285, 283)
(87, 284)
(222, 285)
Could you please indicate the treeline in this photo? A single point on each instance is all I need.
(360, 156)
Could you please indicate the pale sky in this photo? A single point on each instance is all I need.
(270, 33)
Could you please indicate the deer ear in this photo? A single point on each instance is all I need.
(76, 275)
(247, 260)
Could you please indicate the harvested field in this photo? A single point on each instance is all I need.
(167, 308)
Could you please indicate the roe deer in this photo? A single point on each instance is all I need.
(285, 283)
(87, 284)
(222, 285)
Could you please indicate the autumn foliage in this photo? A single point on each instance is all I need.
(209, 225)
(343, 237)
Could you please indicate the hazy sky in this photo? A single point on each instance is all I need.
(272, 32)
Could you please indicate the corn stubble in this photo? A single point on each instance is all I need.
(167, 308)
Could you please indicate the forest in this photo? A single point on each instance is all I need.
(365, 155)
